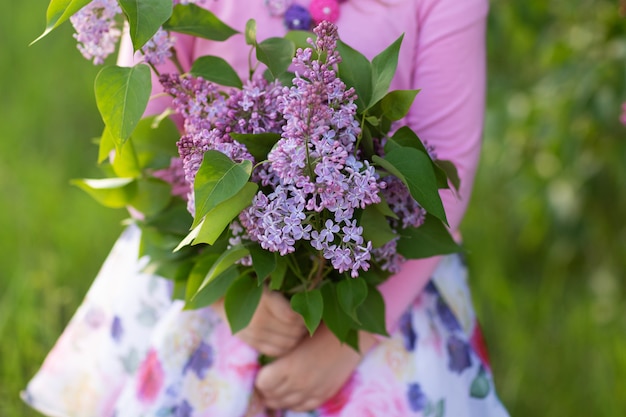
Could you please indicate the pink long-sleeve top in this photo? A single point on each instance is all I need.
(442, 54)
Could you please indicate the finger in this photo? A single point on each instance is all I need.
(269, 380)
(277, 336)
(290, 401)
(281, 309)
(308, 404)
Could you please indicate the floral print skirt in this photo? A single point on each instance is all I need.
(129, 351)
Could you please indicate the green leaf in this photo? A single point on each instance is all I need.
(125, 162)
(122, 95)
(276, 54)
(371, 312)
(218, 218)
(217, 70)
(450, 172)
(217, 180)
(334, 317)
(376, 227)
(374, 276)
(285, 78)
(145, 17)
(396, 104)
(384, 208)
(405, 136)
(258, 144)
(356, 71)
(196, 21)
(240, 302)
(414, 168)
(152, 196)
(225, 261)
(158, 244)
(198, 272)
(300, 39)
(351, 292)
(174, 219)
(215, 290)
(154, 140)
(195, 298)
(110, 192)
(190, 238)
(106, 145)
(383, 69)
(263, 261)
(277, 277)
(250, 32)
(152, 145)
(310, 305)
(58, 12)
(430, 239)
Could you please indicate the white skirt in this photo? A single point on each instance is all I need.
(129, 351)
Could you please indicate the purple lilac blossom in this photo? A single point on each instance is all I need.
(209, 118)
(388, 258)
(96, 29)
(312, 168)
(409, 213)
(175, 175)
(159, 48)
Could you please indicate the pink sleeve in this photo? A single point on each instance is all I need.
(448, 114)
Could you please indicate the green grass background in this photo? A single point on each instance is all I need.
(546, 228)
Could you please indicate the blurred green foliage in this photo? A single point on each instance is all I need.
(545, 229)
(546, 226)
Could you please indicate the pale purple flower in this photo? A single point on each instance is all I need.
(175, 175)
(409, 212)
(388, 258)
(96, 29)
(314, 160)
(159, 48)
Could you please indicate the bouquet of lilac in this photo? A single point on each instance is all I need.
(300, 178)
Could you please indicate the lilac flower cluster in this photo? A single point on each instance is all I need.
(159, 48)
(98, 32)
(175, 175)
(313, 180)
(210, 115)
(96, 29)
(409, 213)
(316, 181)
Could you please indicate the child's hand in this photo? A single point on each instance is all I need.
(310, 374)
(275, 328)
